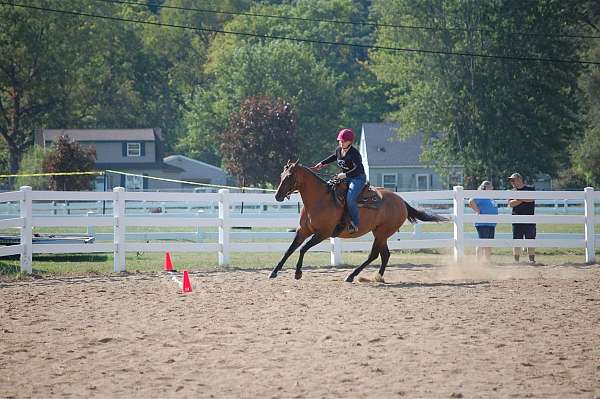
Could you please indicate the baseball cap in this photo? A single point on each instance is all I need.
(515, 176)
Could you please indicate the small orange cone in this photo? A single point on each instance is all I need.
(187, 286)
(168, 263)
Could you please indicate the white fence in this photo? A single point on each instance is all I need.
(123, 216)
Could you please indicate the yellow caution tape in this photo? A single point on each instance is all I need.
(133, 174)
(53, 174)
(187, 182)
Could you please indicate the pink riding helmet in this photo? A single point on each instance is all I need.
(345, 135)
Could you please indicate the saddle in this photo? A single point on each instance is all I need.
(369, 197)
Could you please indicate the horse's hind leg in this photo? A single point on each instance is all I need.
(372, 256)
(298, 240)
(314, 240)
(385, 257)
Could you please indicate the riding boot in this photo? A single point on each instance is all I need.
(352, 228)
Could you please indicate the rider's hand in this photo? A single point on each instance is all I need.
(318, 166)
(341, 176)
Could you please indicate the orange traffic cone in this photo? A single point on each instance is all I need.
(168, 263)
(187, 286)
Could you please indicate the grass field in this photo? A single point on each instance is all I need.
(103, 263)
(85, 264)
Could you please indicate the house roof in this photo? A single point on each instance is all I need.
(100, 134)
(179, 160)
(385, 148)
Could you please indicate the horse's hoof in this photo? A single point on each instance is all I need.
(298, 275)
(273, 274)
(378, 278)
(349, 278)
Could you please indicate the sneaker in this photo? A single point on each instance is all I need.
(532, 260)
(352, 228)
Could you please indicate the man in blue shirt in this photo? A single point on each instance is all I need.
(485, 230)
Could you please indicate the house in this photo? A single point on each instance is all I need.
(138, 153)
(395, 163)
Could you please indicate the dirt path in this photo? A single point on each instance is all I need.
(437, 332)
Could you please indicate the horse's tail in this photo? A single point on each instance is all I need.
(417, 214)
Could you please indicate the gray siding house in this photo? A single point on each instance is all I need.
(395, 164)
(137, 152)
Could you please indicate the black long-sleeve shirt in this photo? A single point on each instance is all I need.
(351, 164)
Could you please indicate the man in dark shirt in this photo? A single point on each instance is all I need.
(522, 207)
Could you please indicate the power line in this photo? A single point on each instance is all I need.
(312, 41)
(349, 22)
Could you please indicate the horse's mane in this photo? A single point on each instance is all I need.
(313, 173)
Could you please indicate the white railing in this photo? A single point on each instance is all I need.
(120, 219)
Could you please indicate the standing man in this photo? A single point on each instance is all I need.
(522, 207)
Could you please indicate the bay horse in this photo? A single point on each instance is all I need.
(320, 215)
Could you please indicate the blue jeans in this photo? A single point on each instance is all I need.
(355, 186)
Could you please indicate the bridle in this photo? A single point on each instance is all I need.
(292, 185)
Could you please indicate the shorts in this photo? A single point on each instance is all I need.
(526, 231)
(486, 231)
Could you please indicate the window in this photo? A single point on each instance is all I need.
(134, 149)
(134, 183)
(422, 182)
(390, 181)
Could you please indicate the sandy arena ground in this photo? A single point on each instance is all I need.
(431, 332)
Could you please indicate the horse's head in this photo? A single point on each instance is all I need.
(287, 184)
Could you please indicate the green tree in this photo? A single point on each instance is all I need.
(492, 116)
(70, 156)
(330, 86)
(275, 69)
(36, 55)
(31, 163)
(586, 152)
(259, 140)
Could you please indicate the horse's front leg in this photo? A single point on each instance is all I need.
(314, 240)
(298, 240)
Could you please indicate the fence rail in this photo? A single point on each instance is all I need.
(217, 213)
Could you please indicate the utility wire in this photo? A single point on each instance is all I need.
(349, 22)
(273, 37)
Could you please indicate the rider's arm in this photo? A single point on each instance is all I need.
(329, 159)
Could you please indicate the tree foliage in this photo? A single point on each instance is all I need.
(259, 139)
(34, 73)
(586, 152)
(70, 156)
(276, 70)
(31, 163)
(329, 86)
(492, 116)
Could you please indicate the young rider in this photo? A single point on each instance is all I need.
(349, 160)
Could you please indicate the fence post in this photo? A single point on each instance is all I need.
(417, 230)
(223, 227)
(590, 238)
(26, 231)
(459, 228)
(119, 229)
(336, 251)
(199, 231)
(90, 229)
